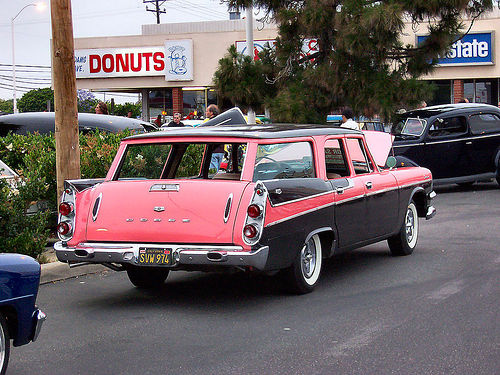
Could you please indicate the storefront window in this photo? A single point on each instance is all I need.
(442, 94)
(469, 91)
(160, 101)
(196, 102)
(481, 91)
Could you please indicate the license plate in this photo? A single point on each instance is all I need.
(155, 256)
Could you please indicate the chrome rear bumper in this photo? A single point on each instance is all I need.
(181, 254)
(40, 317)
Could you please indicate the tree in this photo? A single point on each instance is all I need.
(36, 100)
(242, 81)
(86, 101)
(124, 109)
(361, 61)
(7, 106)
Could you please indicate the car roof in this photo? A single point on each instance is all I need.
(272, 131)
(44, 122)
(437, 110)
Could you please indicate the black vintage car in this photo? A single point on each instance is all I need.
(459, 143)
(44, 122)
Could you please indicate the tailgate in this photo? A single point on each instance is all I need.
(160, 211)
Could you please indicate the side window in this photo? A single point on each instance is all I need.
(484, 123)
(359, 157)
(190, 163)
(449, 126)
(284, 160)
(336, 164)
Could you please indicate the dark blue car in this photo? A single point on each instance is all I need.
(20, 319)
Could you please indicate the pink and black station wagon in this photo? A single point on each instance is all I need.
(291, 196)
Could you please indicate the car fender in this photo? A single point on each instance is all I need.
(328, 237)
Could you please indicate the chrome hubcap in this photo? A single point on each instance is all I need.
(410, 225)
(308, 259)
(2, 347)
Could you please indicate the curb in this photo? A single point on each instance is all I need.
(57, 271)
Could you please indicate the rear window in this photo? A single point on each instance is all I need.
(284, 160)
(180, 161)
(484, 123)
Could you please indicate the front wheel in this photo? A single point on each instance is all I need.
(145, 277)
(405, 241)
(4, 345)
(304, 273)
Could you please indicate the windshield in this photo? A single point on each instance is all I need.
(409, 126)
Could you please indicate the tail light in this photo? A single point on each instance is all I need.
(65, 208)
(254, 222)
(254, 211)
(250, 231)
(66, 214)
(63, 228)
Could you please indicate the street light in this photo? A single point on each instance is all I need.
(40, 6)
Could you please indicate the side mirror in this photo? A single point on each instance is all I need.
(391, 162)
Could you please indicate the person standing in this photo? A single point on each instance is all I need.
(211, 111)
(347, 121)
(218, 152)
(101, 108)
(176, 122)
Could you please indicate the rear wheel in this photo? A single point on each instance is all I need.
(405, 241)
(304, 274)
(4, 345)
(145, 277)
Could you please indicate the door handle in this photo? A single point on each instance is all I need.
(340, 190)
(468, 143)
(368, 185)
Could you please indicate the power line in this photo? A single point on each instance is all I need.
(29, 66)
(21, 80)
(23, 77)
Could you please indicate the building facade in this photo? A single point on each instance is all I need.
(172, 65)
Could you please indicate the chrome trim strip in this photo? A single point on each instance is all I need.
(164, 187)
(300, 214)
(413, 184)
(301, 199)
(449, 140)
(381, 191)
(99, 198)
(227, 209)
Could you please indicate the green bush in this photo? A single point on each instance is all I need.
(33, 157)
(21, 232)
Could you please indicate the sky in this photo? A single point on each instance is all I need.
(91, 18)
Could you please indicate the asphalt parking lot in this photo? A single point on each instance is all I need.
(434, 312)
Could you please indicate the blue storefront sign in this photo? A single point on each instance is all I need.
(472, 49)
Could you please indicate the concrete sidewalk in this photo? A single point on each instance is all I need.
(56, 271)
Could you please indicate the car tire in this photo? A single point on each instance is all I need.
(145, 277)
(405, 241)
(4, 345)
(303, 275)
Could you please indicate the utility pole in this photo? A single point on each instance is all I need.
(64, 81)
(250, 52)
(158, 4)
